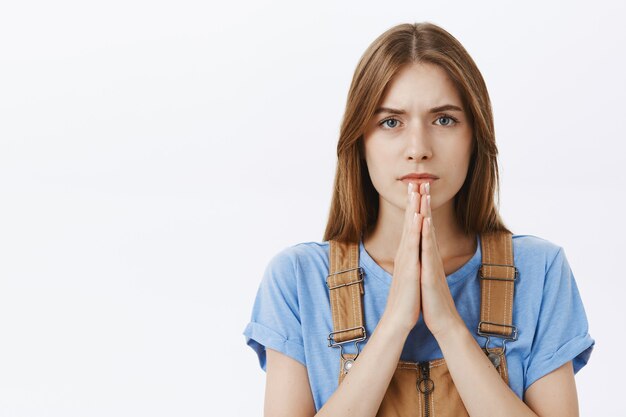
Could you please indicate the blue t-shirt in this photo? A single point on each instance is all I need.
(292, 315)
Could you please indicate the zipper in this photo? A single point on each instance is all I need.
(425, 385)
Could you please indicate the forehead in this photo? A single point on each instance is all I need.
(420, 86)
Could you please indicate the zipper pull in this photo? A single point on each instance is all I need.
(425, 385)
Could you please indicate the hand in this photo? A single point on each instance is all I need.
(403, 301)
(440, 313)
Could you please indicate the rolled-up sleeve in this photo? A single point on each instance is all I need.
(562, 332)
(275, 321)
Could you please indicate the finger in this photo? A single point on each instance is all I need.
(429, 240)
(407, 219)
(412, 243)
(412, 195)
(424, 205)
(407, 212)
(412, 237)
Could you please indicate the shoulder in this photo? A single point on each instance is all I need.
(304, 252)
(288, 265)
(536, 250)
(543, 263)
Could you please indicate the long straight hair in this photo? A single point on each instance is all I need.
(354, 205)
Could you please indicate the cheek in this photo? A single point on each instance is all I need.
(461, 152)
(457, 164)
(379, 167)
(462, 165)
(373, 167)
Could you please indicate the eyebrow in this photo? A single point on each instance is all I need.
(433, 110)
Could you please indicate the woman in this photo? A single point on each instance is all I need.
(414, 189)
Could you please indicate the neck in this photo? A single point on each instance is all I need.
(383, 241)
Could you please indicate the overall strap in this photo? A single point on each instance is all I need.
(497, 275)
(345, 286)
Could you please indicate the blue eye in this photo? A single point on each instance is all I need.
(450, 118)
(392, 122)
(391, 119)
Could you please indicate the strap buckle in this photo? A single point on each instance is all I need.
(489, 335)
(359, 280)
(515, 274)
(356, 340)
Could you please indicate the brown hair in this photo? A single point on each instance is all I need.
(354, 205)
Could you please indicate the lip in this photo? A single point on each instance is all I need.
(420, 178)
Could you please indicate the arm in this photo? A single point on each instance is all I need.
(473, 374)
(476, 379)
(363, 389)
(360, 394)
(554, 394)
(287, 389)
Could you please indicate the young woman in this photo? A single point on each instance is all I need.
(414, 193)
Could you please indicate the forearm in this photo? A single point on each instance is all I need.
(479, 384)
(363, 388)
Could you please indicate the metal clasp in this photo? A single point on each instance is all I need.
(332, 343)
(488, 335)
(515, 274)
(359, 280)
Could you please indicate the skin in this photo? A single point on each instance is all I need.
(418, 142)
(418, 241)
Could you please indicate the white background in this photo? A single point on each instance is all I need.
(154, 155)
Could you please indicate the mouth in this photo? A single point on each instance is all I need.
(419, 180)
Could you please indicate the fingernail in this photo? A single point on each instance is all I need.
(413, 196)
(427, 188)
(410, 187)
(414, 217)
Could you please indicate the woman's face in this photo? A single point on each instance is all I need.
(410, 135)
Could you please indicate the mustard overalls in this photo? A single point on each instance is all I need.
(424, 389)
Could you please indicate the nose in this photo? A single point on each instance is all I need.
(418, 146)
